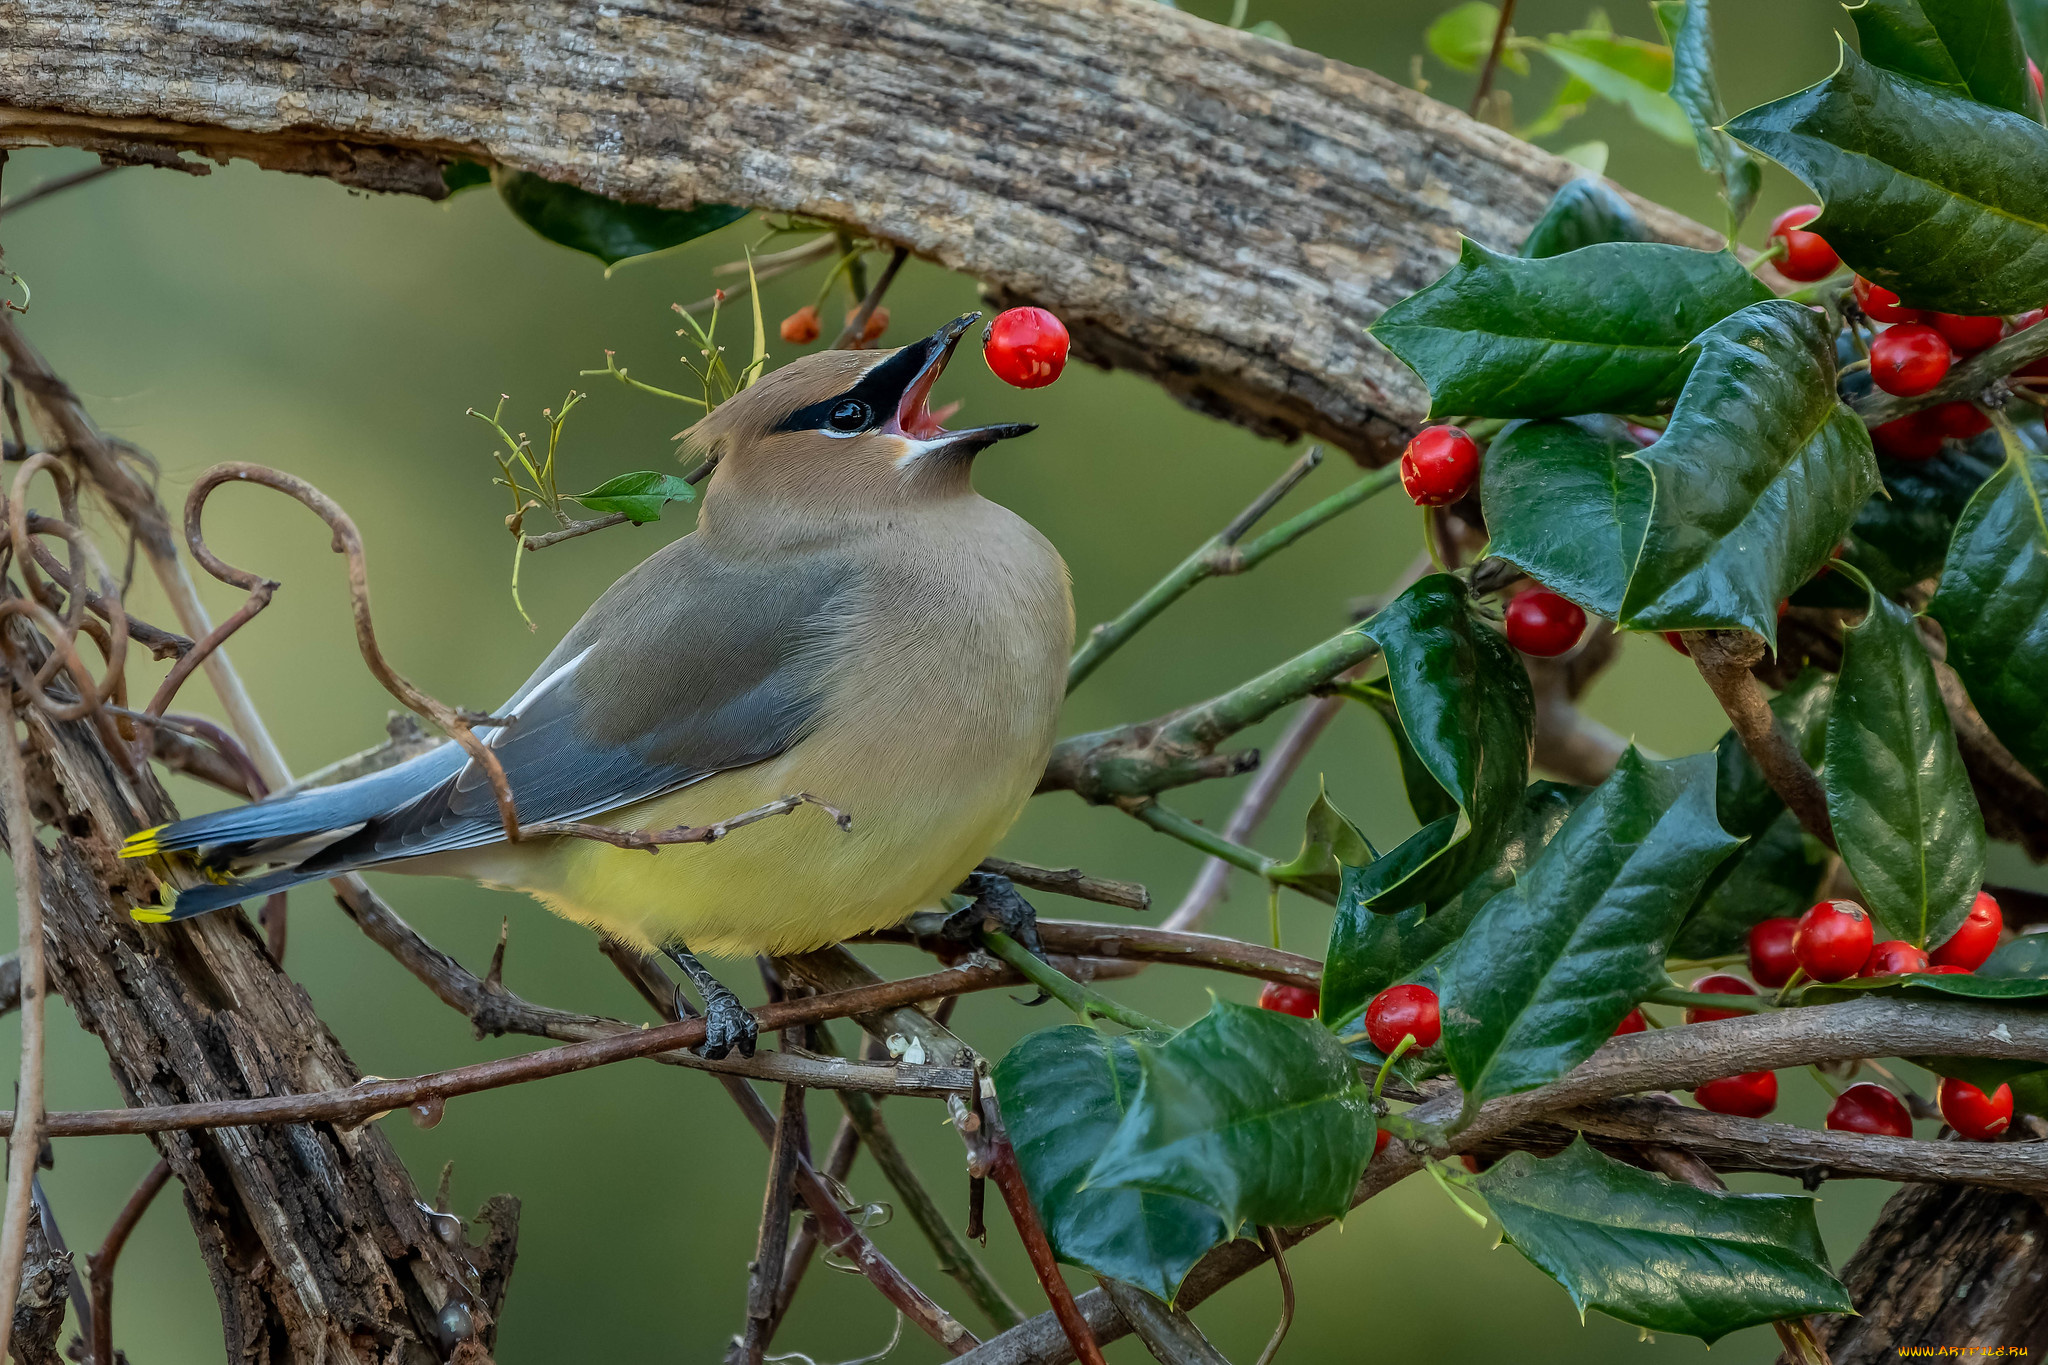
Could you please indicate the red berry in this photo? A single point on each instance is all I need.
(1833, 941)
(1632, 1022)
(1971, 1112)
(2034, 75)
(877, 323)
(1750, 1095)
(1806, 256)
(1642, 435)
(1966, 333)
(1959, 419)
(1909, 359)
(801, 327)
(1974, 939)
(1946, 971)
(1894, 957)
(1916, 436)
(1026, 347)
(1770, 951)
(1867, 1108)
(1544, 624)
(1720, 983)
(1379, 1141)
(1881, 303)
(1676, 639)
(1399, 1011)
(1284, 998)
(1439, 466)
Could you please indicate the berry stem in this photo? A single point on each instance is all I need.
(1435, 1169)
(1080, 999)
(1387, 1066)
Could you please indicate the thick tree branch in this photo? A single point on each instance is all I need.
(1220, 212)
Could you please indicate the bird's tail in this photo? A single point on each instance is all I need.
(198, 900)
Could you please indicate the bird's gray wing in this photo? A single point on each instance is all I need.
(691, 664)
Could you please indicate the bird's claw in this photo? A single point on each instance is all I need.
(727, 1024)
(997, 905)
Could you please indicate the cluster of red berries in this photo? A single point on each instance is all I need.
(1832, 942)
(1914, 351)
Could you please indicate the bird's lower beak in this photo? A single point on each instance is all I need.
(923, 362)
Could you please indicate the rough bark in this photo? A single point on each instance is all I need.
(315, 1238)
(1946, 1266)
(1220, 212)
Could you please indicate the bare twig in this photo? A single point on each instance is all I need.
(101, 1263)
(573, 530)
(1269, 1238)
(1009, 1181)
(1724, 658)
(1486, 72)
(1070, 881)
(1104, 948)
(56, 185)
(849, 339)
(1169, 1334)
(26, 1137)
(764, 1273)
(655, 840)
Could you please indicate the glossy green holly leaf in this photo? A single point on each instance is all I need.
(1461, 37)
(1064, 1091)
(1905, 815)
(1687, 28)
(1970, 46)
(1745, 801)
(1426, 798)
(2033, 23)
(1463, 700)
(605, 228)
(464, 175)
(1993, 604)
(1626, 71)
(1607, 328)
(1937, 197)
(1664, 1256)
(1330, 842)
(2018, 970)
(1256, 1114)
(1553, 963)
(640, 495)
(1759, 474)
(1777, 874)
(1901, 536)
(1567, 502)
(1583, 212)
(1369, 952)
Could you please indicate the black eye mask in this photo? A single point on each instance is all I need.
(867, 404)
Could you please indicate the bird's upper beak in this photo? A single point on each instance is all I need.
(919, 366)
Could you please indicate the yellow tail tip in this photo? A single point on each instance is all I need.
(149, 914)
(143, 844)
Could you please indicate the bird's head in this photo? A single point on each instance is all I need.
(845, 429)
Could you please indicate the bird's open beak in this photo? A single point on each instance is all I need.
(922, 362)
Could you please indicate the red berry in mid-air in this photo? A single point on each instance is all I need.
(1909, 359)
(1881, 303)
(1720, 983)
(1770, 951)
(1971, 1112)
(1894, 957)
(1806, 257)
(1750, 1095)
(1285, 998)
(1965, 333)
(1439, 466)
(801, 327)
(1974, 939)
(1399, 1011)
(1632, 1022)
(1916, 436)
(1834, 940)
(1867, 1108)
(1543, 624)
(1026, 347)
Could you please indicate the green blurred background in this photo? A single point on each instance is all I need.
(251, 316)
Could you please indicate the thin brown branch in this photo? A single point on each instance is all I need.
(1105, 948)
(101, 1263)
(1169, 1334)
(404, 738)
(56, 185)
(764, 1272)
(1009, 1180)
(26, 1139)
(1070, 881)
(573, 530)
(849, 339)
(1487, 72)
(654, 840)
(1724, 658)
(1269, 1238)
(803, 1247)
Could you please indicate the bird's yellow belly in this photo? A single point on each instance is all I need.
(921, 820)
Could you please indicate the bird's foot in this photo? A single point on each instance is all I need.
(727, 1023)
(996, 906)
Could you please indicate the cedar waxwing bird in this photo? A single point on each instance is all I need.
(849, 619)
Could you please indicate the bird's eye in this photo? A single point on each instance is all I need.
(849, 417)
